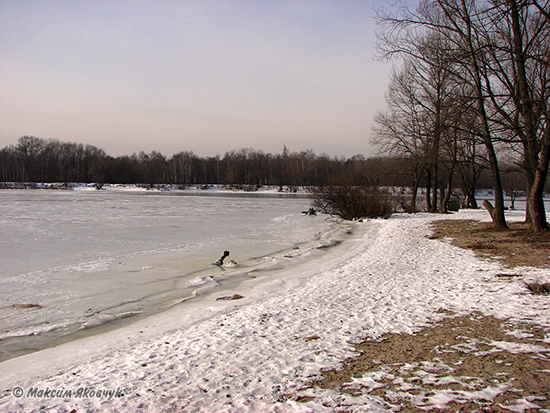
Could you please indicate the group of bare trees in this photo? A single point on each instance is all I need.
(34, 159)
(39, 160)
(472, 91)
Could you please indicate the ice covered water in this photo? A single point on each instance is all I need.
(71, 261)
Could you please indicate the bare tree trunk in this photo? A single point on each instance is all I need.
(429, 189)
(536, 168)
(498, 217)
(472, 202)
(445, 202)
(535, 202)
(414, 195)
(433, 208)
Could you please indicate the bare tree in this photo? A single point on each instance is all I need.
(401, 130)
(424, 116)
(461, 25)
(520, 57)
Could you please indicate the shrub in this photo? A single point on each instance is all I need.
(351, 202)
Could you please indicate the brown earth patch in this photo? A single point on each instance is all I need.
(515, 247)
(460, 357)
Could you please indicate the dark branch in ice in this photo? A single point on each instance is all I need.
(223, 257)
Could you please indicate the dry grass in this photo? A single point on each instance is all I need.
(515, 247)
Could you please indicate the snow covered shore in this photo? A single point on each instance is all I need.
(196, 188)
(247, 355)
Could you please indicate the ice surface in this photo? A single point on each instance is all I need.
(73, 260)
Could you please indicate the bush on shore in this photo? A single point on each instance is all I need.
(349, 201)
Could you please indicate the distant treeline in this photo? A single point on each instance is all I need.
(34, 159)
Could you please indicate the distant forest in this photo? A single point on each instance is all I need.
(34, 159)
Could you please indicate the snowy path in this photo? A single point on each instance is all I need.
(248, 358)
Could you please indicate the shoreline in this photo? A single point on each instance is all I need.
(253, 276)
(195, 189)
(249, 355)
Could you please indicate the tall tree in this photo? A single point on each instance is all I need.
(462, 25)
(520, 61)
(401, 130)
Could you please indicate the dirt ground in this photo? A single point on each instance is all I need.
(483, 364)
(515, 247)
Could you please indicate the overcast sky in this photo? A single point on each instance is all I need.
(199, 75)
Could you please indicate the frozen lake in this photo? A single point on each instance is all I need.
(75, 261)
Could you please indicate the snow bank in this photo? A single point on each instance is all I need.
(246, 355)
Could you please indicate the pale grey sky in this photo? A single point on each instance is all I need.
(197, 75)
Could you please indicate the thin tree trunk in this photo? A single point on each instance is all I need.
(535, 201)
(445, 202)
(499, 220)
(433, 208)
(535, 157)
(429, 189)
(472, 199)
(414, 195)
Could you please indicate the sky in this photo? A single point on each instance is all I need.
(187, 75)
